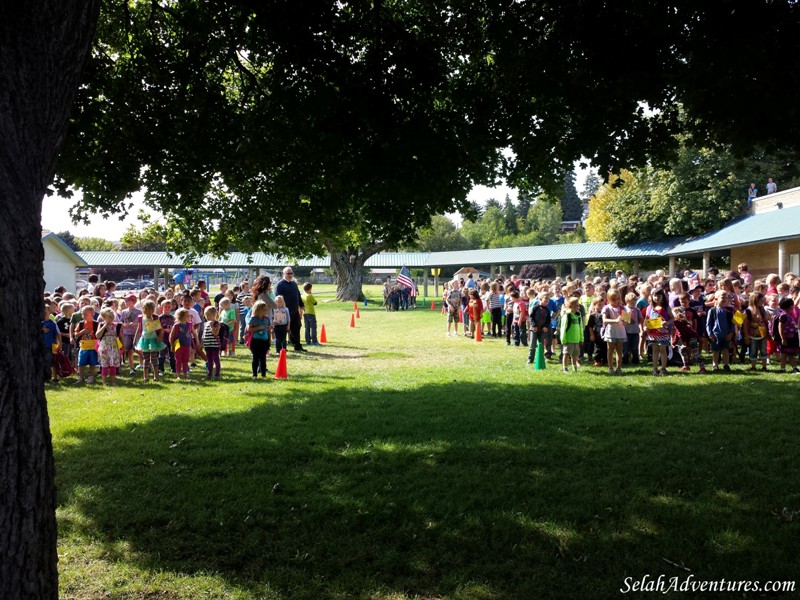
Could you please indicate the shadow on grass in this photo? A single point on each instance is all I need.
(512, 491)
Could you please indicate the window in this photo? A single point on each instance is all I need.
(794, 263)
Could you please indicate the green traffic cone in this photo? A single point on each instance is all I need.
(539, 363)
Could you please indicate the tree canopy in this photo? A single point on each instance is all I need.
(275, 125)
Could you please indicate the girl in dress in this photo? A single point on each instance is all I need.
(109, 344)
(182, 338)
(658, 322)
(614, 331)
(149, 342)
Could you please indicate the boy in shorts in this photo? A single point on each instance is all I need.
(85, 338)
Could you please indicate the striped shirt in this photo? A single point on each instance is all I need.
(209, 339)
(240, 301)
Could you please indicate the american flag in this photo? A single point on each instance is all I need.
(404, 279)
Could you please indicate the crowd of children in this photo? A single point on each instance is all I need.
(154, 331)
(618, 321)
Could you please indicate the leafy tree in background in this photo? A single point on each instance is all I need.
(481, 233)
(703, 189)
(150, 236)
(571, 205)
(544, 218)
(95, 244)
(442, 235)
(69, 240)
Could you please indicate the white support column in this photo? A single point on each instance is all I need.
(558, 269)
(636, 266)
(436, 283)
(706, 264)
(783, 259)
(425, 285)
(155, 278)
(672, 266)
(573, 269)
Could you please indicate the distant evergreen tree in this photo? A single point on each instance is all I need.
(474, 213)
(510, 215)
(69, 240)
(571, 205)
(524, 200)
(591, 185)
(493, 203)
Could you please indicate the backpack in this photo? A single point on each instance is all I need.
(62, 365)
(773, 325)
(789, 327)
(224, 332)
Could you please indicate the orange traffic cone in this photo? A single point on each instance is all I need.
(353, 320)
(323, 337)
(355, 305)
(358, 313)
(433, 305)
(280, 370)
(478, 334)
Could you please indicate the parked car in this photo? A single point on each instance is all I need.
(81, 284)
(144, 283)
(126, 285)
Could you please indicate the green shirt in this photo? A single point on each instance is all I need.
(309, 302)
(571, 327)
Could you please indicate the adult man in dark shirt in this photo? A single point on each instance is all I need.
(287, 287)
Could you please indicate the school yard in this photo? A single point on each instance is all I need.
(397, 463)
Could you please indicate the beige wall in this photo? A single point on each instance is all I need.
(763, 258)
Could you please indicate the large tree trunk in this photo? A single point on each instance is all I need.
(348, 267)
(43, 45)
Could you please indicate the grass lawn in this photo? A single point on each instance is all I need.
(397, 463)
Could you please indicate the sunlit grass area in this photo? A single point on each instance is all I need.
(397, 463)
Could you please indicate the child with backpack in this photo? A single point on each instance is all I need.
(787, 339)
(720, 328)
(755, 330)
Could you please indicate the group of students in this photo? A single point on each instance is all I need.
(623, 320)
(151, 331)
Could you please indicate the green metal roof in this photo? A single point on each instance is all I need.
(773, 226)
(764, 227)
(589, 251)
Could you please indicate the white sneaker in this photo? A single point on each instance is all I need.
(90, 379)
(79, 381)
(448, 334)
(456, 334)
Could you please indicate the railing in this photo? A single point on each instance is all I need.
(776, 201)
